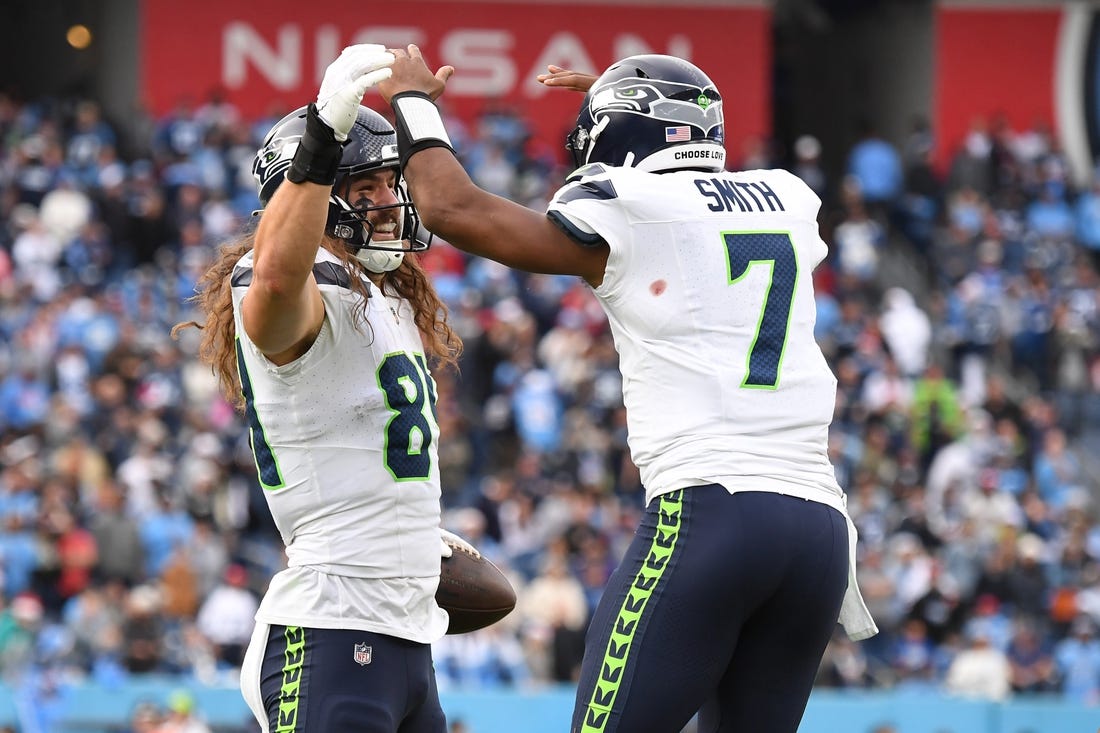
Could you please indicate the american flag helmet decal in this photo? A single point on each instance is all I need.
(678, 134)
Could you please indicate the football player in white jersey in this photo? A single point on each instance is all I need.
(743, 564)
(322, 325)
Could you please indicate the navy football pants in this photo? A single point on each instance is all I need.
(339, 681)
(723, 605)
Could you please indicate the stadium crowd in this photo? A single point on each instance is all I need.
(958, 308)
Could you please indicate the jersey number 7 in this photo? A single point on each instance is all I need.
(775, 251)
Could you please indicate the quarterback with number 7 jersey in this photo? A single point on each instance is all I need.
(744, 560)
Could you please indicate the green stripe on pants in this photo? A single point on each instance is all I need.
(292, 679)
(626, 623)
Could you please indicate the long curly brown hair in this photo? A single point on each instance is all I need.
(217, 346)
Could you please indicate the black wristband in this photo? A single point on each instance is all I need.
(318, 155)
(419, 125)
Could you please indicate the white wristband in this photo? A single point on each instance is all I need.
(422, 119)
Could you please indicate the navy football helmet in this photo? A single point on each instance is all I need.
(651, 112)
(371, 145)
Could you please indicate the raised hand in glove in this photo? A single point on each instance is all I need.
(329, 121)
(346, 80)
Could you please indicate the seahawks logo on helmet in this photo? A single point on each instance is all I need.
(636, 97)
(272, 162)
(660, 101)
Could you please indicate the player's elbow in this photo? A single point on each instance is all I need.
(277, 277)
(448, 202)
(444, 220)
(452, 213)
(274, 285)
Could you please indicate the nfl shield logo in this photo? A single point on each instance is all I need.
(362, 654)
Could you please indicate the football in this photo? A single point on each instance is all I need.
(472, 591)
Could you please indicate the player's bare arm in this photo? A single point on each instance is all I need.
(471, 219)
(283, 311)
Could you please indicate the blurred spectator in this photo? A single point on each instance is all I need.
(24, 396)
(888, 393)
(1050, 215)
(906, 330)
(189, 653)
(36, 253)
(989, 620)
(913, 655)
(858, 240)
(1087, 219)
(181, 716)
(922, 200)
(912, 570)
(973, 165)
(226, 616)
(121, 552)
(90, 139)
(1057, 470)
(941, 609)
(143, 630)
(19, 624)
(537, 411)
(1032, 665)
(877, 168)
(163, 530)
(206, 554)
(845, 665)
(179, 584)
(979, 671)
(77, 553)
(553, 616)
(936, 415)
(807, 165)
(1029, 584)
(95, 617)
(1078, 660)
(1035, 305)
(145, 718)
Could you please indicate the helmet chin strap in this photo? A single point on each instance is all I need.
(594, 134)
(379, 261)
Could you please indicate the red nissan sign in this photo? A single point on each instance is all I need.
(994, 60)
(270, 57)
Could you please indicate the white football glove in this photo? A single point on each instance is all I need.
(358, 68)
(446, 539)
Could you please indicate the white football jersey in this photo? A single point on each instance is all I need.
(345, 441)
(709, 295)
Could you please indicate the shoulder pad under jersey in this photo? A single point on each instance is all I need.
(592, 169)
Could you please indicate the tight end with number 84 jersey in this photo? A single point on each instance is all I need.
(336, 455)
(720, 269)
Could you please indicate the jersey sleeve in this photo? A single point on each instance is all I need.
(579, 207)
(590, 209)
(333, 281)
